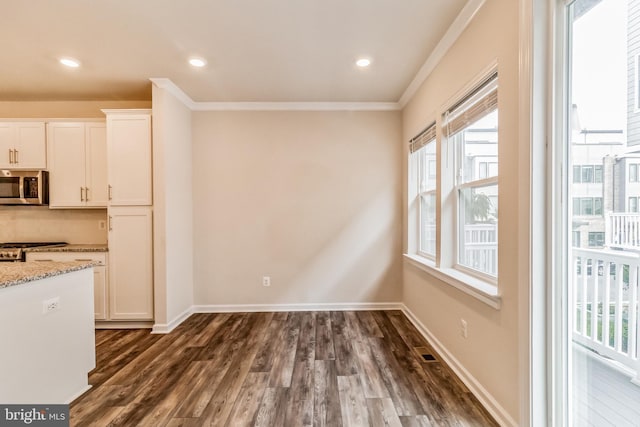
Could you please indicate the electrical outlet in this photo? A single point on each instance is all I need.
(102, 225)
(463, 328)
(266, 281)
(50, 305)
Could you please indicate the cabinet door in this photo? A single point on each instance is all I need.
(130, 263)
(129, 159)
(66, 164)
(96, 170)
(99, 274)
(7, 137)
(31, 146)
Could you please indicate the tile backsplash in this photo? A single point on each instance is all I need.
(39, 223)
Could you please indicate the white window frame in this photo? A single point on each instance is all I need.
(417, 165)
(485, 289)
(455, 192)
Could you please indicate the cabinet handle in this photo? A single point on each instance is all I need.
(81, 195)
(10, 156)
(109, 219)
(110, 192)
(17, 160)
(41, 260)
(86, 194)
(83, 259)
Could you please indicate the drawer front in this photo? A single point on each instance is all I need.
(100, 257)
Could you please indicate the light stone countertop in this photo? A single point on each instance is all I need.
(16, 273)
(98, 247)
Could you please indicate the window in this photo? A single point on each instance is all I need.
(587, 173)
(596, 239)
(587, 206)
(471, 131)
(633, 172)
(633, 204)
(423, 149)
(597, 173)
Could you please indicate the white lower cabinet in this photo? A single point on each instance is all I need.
(99, 274)
(130, 263)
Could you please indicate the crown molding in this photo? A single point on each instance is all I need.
(172, 88)
(296, 106)
(461, 22)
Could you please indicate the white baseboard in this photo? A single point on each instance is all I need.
(78, 394)
(349, 306)
(165, 328)
(488, 401)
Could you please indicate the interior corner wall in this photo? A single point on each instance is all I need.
(311, 199)
(490, 353)
(172, 207)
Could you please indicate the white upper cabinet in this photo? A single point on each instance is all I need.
(129, 157)
(23, 145)
(77, 165)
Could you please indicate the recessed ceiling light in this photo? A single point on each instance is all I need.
(363, 62)
(197, 62)
(70, 62)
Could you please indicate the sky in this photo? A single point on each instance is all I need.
(600, 66)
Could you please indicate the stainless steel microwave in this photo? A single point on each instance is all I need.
(24, 187)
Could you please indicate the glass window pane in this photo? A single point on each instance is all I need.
(586, 206)
(426, 167)
(577, 176)
(478, 229)
(587, 173)
(428, 224)
(597, 205)
(633, 173)
(597, 173)
(478, 143)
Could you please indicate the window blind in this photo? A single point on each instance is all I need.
(479, 102)
(423, 138)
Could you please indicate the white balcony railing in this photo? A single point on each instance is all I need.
(622, 230)
(605, 297)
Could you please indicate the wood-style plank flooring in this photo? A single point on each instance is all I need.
(362, 368)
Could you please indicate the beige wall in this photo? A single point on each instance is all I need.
(63, 109)
(173, 207)
(311, 199)
(490, 353)
(39, 223)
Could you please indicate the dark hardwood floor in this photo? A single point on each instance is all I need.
(361, 368)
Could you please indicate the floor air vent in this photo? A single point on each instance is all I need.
(428, 357)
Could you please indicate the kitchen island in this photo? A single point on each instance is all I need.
(46, 331)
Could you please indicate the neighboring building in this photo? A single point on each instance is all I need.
(633, 72)
(594, 180)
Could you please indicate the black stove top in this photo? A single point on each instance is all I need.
(14, 251)
(23, 245)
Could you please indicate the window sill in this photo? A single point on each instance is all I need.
(481, 290)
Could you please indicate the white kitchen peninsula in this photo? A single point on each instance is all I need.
(46, 331)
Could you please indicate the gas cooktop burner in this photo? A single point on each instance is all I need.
(22, 245)
(13, 251)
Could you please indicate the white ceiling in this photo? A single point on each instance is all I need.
(257, 50)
